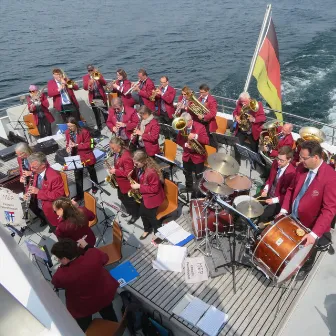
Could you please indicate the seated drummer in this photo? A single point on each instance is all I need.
(280, 178)
(192, 161)
(311, 199)
(285, 138)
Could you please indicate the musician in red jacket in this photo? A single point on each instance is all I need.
(23, 151)
(97, 95)
(122, 120)
(146, 135)
(47, 185)
(79, 142)
(279, 180)
(150, 185)
(311, 198)
(182, 101)
(165, 101)
(73, 221)
(144, 90)
(192, 161)
(61, 90)
(122, 86)
(38, 105)
(256, 119)
(123, 166)
(89, 287)
(285, 138)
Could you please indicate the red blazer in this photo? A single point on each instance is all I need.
(259, 116)
(54, 93)
(146, 92)
(130, 118)
(287, 140)
(151, 189)
(66, 229)
(210, 117)
(179, 99)
(52, 188)
(123, 166)
(296, 156)
(203, 138)
(89, 287)
(126, 99)
(284, 181)
(44, 107)
(100, 83)
(20, 163)
(168, 97)
(317, 207)
(85, 146)
(151, 138)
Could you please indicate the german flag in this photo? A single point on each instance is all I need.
(267, 70)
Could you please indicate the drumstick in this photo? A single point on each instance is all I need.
(258, 197)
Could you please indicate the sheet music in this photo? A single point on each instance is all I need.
(194, 311)
(212, 321)
(170, 258)
(173, 232)
(69, 160)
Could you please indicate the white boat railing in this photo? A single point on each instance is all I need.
(227, 105)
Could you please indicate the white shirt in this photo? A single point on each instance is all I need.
(204, 99)
(282, 171)
(42, 174)
(164, 90)
(284, 211)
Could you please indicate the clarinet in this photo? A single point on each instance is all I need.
(72, 139)
(119, 117)
(134, 137)
(28, 198)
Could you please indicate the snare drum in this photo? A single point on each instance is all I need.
(280, 253)
(210, 176)
(198, 219)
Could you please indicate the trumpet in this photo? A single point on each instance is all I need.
(135, 136)
(111, 179)
(96, 75)
(109, 86)
(178, 110)
(154, 93)
(131, 89)
(135, 193)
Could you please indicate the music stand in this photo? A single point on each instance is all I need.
(225, 139)
(167, 129)
(22, 127)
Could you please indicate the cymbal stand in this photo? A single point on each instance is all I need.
(205, 241)
(215, 237)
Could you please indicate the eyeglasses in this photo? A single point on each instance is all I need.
(31, 91)
(281, 160)
(184, 94)
(305, 158)
(90, 70)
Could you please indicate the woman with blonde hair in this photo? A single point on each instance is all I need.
(150, 185)
(73, 221)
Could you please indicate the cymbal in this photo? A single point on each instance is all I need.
(250, 209)
(223, 163)
(216, 188)
(237, 182)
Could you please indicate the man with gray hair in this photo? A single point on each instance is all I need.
(23, 151)
(46, 187)
(284, 138)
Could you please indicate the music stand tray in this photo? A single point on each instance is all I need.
(225, 139)
(249, 154)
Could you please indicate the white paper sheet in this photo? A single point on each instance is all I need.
(194, 311)
(195, 270)
(212, 321)
(70, 160)
(170, 258)
(173, 232)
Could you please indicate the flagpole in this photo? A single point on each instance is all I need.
(256, 51)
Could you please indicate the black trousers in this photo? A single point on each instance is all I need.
(44, 127)
(96, 111)
(148, 217)
(107, 313)
(132, 207)
(70, 110)
(79, 178)
(39, 213)
(252, 144)
(270, 211)
(191, 167)
(166, 131)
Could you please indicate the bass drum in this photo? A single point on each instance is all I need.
(198, 219)
(280, 253)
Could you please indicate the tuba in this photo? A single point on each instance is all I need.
(179, 124)
(245, 123)
(110, 179)
(134, 193)
(196, 106)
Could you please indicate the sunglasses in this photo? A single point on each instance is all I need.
(31, 91)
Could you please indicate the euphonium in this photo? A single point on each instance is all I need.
(179, 124)
(271, 140)
(111, 179)
(245, 123)
(135, 193)
(196, 106)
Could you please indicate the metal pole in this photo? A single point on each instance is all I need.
(256, 51)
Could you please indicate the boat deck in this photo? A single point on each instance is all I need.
(252, 310)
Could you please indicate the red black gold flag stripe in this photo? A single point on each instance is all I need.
(267, 70)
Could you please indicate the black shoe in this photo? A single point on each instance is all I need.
(132, 220)
(145, 235)
(52, 229)
(43, 223)
(186, 190)
(124, 215)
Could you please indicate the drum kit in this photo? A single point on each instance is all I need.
(277, 250)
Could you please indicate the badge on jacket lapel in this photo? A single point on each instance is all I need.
(315, 193)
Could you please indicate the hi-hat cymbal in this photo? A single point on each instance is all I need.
(250, 209)
(223, 163)
(220, 189)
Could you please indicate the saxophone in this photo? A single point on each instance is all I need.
(28, 195)
(111, 179)
(135, 193)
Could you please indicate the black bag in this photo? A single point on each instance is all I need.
(155, 326)
(46, 147)
(94, 133)
(8, 153)
(137, 318)
(59, 156)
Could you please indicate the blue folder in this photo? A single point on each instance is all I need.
(185, 241)
(124, 273)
